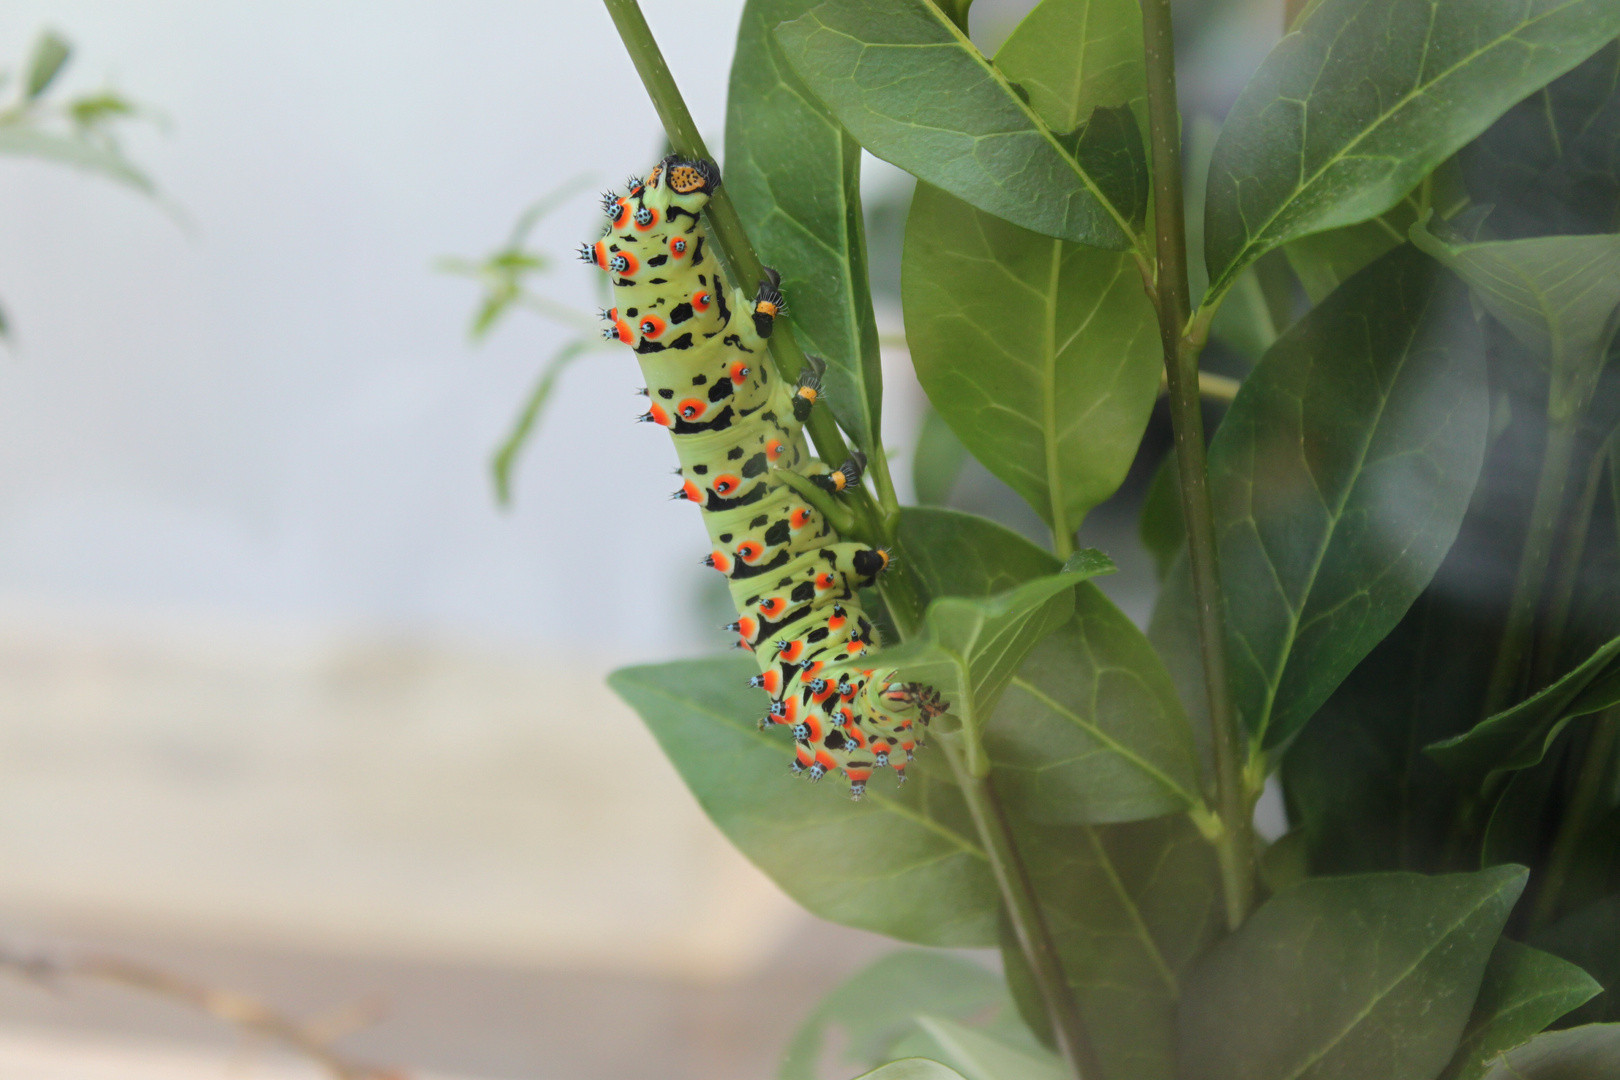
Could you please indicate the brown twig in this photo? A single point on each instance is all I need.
(310, 1040)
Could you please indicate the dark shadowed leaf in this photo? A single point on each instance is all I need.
(874, 1010)
(1346, 979)
(913, 90)
(1584, 1053)
(1351, 110)
(1523, 991)
(795, 175)
(1551, 164)
(901, 862)
(1340, 477)
(1518, 737)
(1590, 937)
(1161, 526)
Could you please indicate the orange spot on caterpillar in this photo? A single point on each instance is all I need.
(765, 307)
(790, 651)
(825, 760)
(659, 416)
(621, 213)
(701, 301)
(622, 331)
(812, 669)
(825, 581)
(646, 217)
(807, 392)
(720, 561)
(677, 249)
(726, 485)
(773, 607)
(774, 448)
(773, 681)
(799, 519)
(739, 373)
(749, 550)
(692, 408)
(652, 326)
(690, 490)
(622, 262)
(599, 254)
(747, 627)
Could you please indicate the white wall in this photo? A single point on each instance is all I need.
(275, 413)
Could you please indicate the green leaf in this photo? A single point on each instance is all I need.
(1089, 729)
(980, 1056)
(904, 862)
(912, 1069)
(876, 1008)
(49, 57)
(80, 153)
(1041, 355)
(1584, 1053)
(1517, 738)
(1340, 477)
(937, 461)
(1351, 110)
(1551, 164)
(1556, 294)
(795, 176)
(1346, 979)
(505, 459)
(1130, 908)
(912, 89)
(1523, 991)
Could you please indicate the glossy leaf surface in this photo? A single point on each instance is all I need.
(1042, 355)
(1351, 110)
(795, 176)
(914, 91)
(904, 862)
(1346, 978)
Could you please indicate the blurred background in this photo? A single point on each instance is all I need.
(288, 703)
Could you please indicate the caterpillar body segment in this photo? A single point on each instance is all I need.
(736, 423)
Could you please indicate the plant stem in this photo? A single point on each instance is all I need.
(1508, 670)
(1595, 771)
(1549, 642)
(1024, 912)
(874, 527)
(1235, 845)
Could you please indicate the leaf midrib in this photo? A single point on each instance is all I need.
(1256, 238)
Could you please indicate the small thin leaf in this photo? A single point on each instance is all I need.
(1517, 738)
(506, 455)
(979, 1056)
(80, 153)
(50, 55)
(912, 1069)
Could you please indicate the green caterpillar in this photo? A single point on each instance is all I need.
(734, 420)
